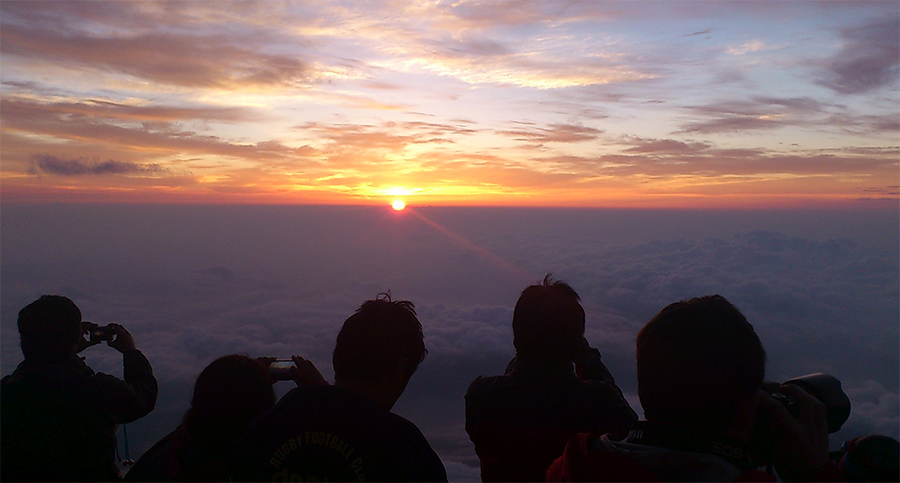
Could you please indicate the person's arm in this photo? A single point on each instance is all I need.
(801, 443)
(618, 414)
(589, 366)
(134, 397)
(306, 373)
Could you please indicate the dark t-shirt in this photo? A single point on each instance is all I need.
(327, 433)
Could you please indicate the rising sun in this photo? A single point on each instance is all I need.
(398, 205)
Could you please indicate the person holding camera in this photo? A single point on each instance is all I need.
(555, 387)
(229, 393)
(346, 431)
(59, 417)
(700, 371)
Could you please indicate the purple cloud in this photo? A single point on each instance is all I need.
(869, 59)
(49, 164)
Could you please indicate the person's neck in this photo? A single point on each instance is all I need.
(378, 393)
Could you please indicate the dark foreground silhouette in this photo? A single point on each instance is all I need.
(709, 414)
(59, 417)
(520, 422)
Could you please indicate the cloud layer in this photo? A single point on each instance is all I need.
(194, 283)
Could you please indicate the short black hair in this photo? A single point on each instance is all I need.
(381, 334)
(696, 361)
(49, 328)
(548, 321)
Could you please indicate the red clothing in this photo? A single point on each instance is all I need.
(594, 458)
(589, 457)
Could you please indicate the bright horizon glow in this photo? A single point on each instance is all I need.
(601, 104)
(398, 205)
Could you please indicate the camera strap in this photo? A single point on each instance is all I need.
(691, 439)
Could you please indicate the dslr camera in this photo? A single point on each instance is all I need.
(826, 388)
(98, 333)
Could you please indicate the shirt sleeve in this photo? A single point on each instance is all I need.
(132, 398)
(616, 411)
(590, 367)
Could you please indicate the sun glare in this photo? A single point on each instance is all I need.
(398, 205)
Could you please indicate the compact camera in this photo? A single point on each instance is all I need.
(100, 333)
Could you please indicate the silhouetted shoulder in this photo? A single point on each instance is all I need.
(321, 433)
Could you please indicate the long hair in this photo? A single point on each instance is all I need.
(228, 394)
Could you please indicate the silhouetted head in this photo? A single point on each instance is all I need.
(380, 335)
(228, 394)
(696, 361)
(548, 322)
(49, 328)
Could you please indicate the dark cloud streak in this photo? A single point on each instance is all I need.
(45, 163)
(869, 59)
(211, 61)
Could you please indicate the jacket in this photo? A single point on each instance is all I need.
(520, 422)
(59, 418)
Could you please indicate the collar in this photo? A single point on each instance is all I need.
(691, 439)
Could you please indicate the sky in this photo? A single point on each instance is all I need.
(504, 103)
(216, 176)
(195, 282)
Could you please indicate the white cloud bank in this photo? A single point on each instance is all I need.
(194, 283)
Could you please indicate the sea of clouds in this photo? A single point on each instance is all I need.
(193, 283)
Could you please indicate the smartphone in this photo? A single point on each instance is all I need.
(280, 369)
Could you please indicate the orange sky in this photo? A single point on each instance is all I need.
(520, 103)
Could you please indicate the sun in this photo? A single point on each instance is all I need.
(398, 205)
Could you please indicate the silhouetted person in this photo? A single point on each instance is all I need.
(700, 371)
(555, 387)
(347, 432)
(228, 394)
(870, 458)
(58, 417)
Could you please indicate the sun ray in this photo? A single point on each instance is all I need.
(525, 275)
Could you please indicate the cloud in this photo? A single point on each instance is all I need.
(554, 133)
(180, 57)
(703, 32)
(757, 113)
(155, 129)
(700, 164)
(196, 282)
(666, 146)
(45, 163)
(875, 410)
(888, 192)
(868, 60)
